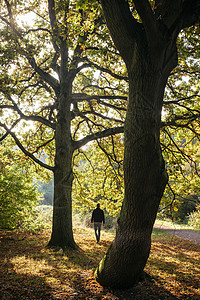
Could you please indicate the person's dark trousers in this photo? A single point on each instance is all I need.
(97, 229)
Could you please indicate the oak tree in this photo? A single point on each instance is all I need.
(56, 91)
(145, 33)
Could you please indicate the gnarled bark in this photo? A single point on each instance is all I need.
(149, 51)
(145, 179)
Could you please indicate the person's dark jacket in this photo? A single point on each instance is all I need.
(98, 216)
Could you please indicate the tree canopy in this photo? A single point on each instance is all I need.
(64, 85)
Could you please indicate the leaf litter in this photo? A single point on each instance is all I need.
(29, 270)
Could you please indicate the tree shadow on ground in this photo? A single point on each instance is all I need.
(145, 290)
(30, 271)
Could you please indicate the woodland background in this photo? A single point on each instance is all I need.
(30, 61)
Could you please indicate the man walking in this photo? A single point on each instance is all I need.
(97, 219)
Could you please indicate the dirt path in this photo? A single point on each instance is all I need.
(193, 236)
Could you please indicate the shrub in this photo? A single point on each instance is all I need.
(180, 209)
(194, 218)
(184, 207)
(18, 198)
(40, 219)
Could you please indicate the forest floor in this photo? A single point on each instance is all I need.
(28, 270)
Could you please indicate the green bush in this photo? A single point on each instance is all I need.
(18, 198)
(184, 207)
(180, 209)
(41, 219)
(194, 218)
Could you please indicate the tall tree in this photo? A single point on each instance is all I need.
(43, 64)
(145, 33)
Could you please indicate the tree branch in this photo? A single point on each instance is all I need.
(27, 153)
(7, 133)
(43, 145)
(98, 135)
(181, 99)
(46, 77)
(53, 22)
(99, 115)
(24, 117)
(183, 154)
(119, 108)
(79, 97)
(191, 13)
(186, 117)
(105, 70)
(144, 10)
(124, 29)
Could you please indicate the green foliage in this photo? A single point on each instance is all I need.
(99, 176)
(194, 218)
(41, 219)
(180, 135)
(181, 156)
(18, 198)
(18, 195)
(183, 207)
(29, 97)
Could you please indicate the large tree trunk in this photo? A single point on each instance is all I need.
(144, 176)
(62, 233)
(149, 51)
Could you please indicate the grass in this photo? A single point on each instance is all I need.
(170, 224)
(28, 270)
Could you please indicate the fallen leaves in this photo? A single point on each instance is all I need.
(175, 265)
(28, 270)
